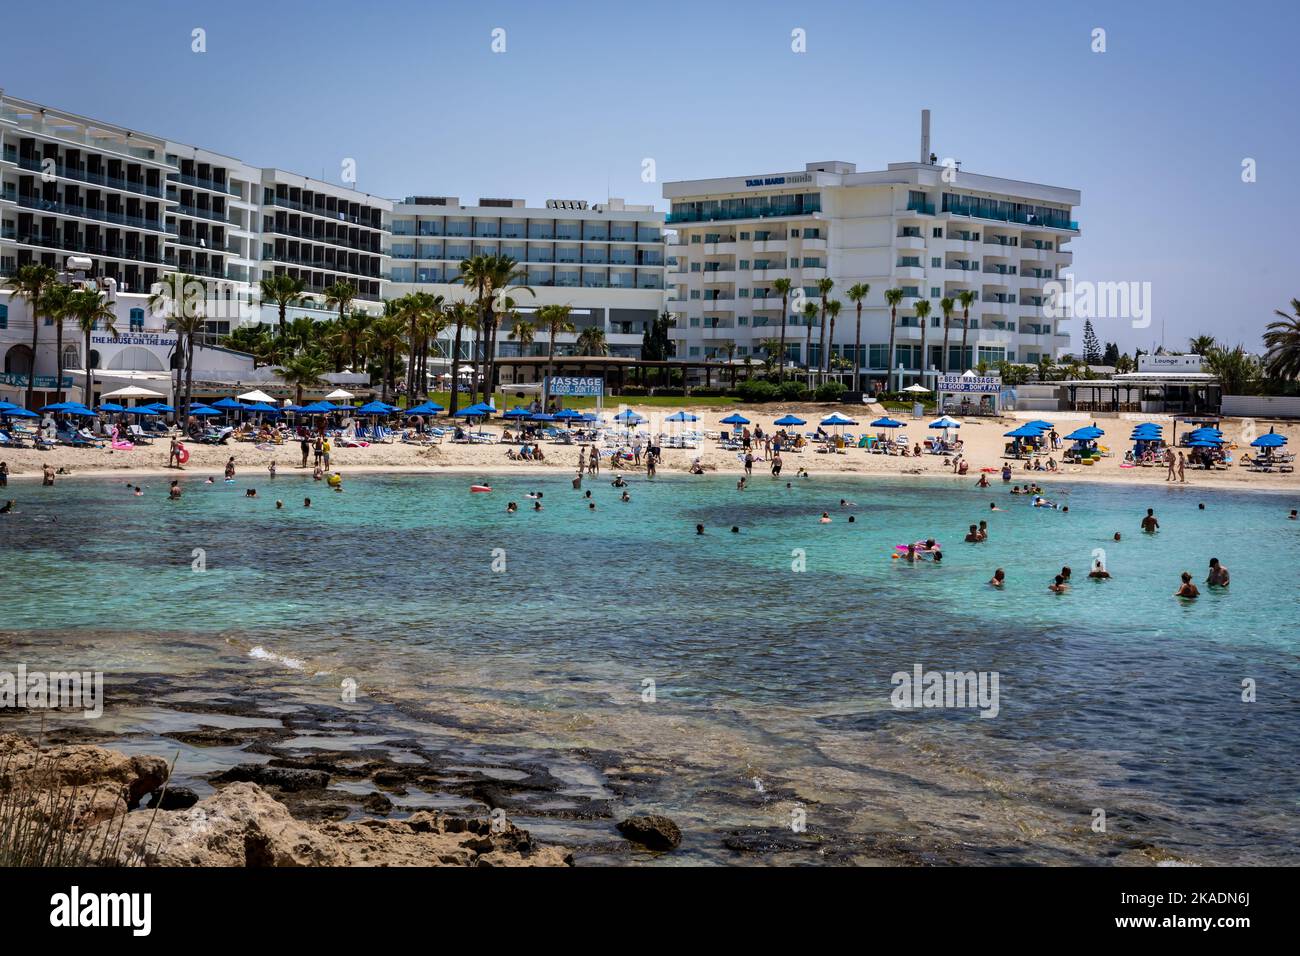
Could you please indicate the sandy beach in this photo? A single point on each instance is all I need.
(983, 448)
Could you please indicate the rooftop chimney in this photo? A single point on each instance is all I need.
(925, 136)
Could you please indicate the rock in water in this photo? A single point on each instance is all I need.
(285, 778)
(173, 798)
(655, 832)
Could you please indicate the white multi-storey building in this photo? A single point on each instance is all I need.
(930, 230)
(139, 206)
(605, 261)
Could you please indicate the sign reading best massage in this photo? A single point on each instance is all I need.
(577, 385)
(982, 384)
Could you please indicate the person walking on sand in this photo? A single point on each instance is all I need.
(305, 445)
(230, 468)
(325, 452)
(1182, 468)
(4, 474)
(1170, 461)
(174, 453)
(319, 450)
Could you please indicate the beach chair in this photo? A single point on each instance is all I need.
(138, 435)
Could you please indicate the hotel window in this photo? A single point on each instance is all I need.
(695, 240)
(695, 321)
(694, 351)
(935, 292)
(936, 262)
(742, 349)
(744, 263)
(137, 320)
(742, 320)
(695, 267)
(876, 356)
(794, 263)
(4, 316)
(812, 233)
(794, 233)
(744, 237)
(695, 293)
(744, 293)
(937, 233)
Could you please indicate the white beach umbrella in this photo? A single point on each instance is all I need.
(918, 389)
(339, 393)
(132, 391)
(256, 396)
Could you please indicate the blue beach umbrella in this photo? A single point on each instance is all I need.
(1024, 431)
(945, 422)
(16, 412)
(516, 412)
(5, 405)
(1203, 443)
(111, 407)
(630, 417)
(228, 403)
(63, 407)
(1039, 423)
(424, 408)
(375, 408)
(205, 412)
(1086, 433)
(567, 414)
(590, 417)
(685, 417)
(886, 423)
(789, 420)
(1271, 440)
(263, 407)
(735, 418)
(541, 417)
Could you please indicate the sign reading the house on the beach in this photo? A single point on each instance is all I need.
(577, 385)
(983, 384)
(155, 339)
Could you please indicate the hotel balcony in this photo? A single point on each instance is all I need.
(771, 245)
(727, 248)
(769, 274)
(909, 242)
(719, 275)
(814, 244)
(813, 273)
(913, 273)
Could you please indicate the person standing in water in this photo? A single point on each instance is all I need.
(1218, 577)
(1149, 524)
(1187, 589)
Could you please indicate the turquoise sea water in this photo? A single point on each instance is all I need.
(547, 628)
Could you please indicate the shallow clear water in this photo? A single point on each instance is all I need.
(766, 679)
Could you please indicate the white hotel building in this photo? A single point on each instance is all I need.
(605, 261)
(903, 227)
(139, 206)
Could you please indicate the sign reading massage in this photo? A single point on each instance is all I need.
(577, 385)
(790, 179)
(982, 384)
(154, 339)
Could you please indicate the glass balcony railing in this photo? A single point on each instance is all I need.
(916, 205)
(718, 211)
(88, 212)
(1001, 211)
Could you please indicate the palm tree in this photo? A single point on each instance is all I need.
(1046, 367)
(832, 309)
(591, 341)
(301, 371)
(730, 349)
(387, 339)
(88, 308)
(856, 294)
(182, 298)
(923, 316)
(892, 297)
(431, 325)
(31, 282)
(946, 305)
(771, 349)
(340, 295)
(824, 287)
(1236, 369)
(489, 277)
(555, 319)
(783, 287)
(1282, 339)
(524, 332)
(284, 290)
(809, 314)
(1201, 344)
(352, 330)
(55, 305)
(965, 297)
(461, 313)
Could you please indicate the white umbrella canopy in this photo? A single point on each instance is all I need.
(256, 396)
(339, 393)
(918, 389)
(132, 391)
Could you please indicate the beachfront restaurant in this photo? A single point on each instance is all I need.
(1177, 392)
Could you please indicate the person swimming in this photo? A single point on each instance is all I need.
(511, 508)
(825, 518)
(993, 506)
(537, 506)
(1099, 572)
(999, 578)
(174, 492)
(1058, 586)
(1187, 589)
(699, 529)
(306, 502)
(1149, 524)
(7, 507)
(735, 529)
(625, 497)
(973, 535)
(279, 505)
(250, 493)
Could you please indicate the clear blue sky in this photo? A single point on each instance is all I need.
(1153, 131)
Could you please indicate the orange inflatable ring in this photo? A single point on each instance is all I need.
(182, 453)
(477, 488)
